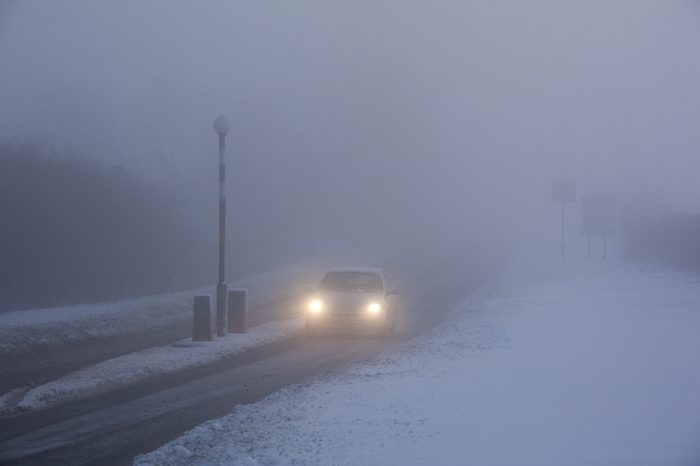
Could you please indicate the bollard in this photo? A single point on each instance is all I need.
(238, 310)
(202, 321)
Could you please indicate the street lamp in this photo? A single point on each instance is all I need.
(221, 127)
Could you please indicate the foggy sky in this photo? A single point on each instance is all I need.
(398, 113)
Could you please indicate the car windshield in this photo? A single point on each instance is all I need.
(351, 281)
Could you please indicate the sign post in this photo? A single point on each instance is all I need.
(598, 218)
(563, 192)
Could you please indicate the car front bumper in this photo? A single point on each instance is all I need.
(346, 321)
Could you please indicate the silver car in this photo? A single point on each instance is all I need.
(352, 298)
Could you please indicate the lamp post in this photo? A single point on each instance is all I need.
(221, 127)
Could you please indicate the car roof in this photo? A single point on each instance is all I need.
(356, 269)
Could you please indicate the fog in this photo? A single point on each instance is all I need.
(360, 123)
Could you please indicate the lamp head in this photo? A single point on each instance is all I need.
(221, 125)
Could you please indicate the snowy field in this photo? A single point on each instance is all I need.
(585, 363)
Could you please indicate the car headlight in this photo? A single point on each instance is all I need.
(315, 306)
(374, 309)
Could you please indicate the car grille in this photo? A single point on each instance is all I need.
(345, 313)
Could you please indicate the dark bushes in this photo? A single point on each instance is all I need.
(664, 236)
(74, 231)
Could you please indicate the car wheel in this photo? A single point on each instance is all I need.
(391, 325)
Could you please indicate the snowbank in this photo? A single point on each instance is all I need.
(147, 364)
(584, 363)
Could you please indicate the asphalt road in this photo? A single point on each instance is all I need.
(114, 427)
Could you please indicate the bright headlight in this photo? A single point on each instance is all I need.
(315, 306)
(374, 309)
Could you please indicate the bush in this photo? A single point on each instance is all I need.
(664, 236)
(75, 231)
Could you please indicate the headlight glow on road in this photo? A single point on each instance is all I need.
(374, 309)
(315, 306)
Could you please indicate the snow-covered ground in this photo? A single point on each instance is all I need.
(583, 363)
(147, 364)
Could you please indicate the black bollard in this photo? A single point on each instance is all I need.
(238, 311)
(202, 321)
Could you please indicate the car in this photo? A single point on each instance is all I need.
(352, 298)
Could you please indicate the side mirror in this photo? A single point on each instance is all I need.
(392, 292)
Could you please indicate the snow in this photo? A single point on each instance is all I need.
(578, 363)
(83, 311)
(147, 364)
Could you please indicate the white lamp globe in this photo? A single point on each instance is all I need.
(221, 125)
